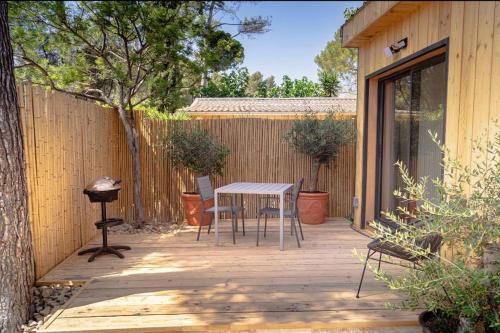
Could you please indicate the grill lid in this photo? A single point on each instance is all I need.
(103, 184)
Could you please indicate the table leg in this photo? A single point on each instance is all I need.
(234, 203)
(282, 227)
(216, 216)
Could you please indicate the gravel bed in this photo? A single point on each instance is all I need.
(46, 300)
(156, 228)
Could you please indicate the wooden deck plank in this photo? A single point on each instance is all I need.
(173, 283)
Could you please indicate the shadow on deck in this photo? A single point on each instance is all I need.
(173, 283)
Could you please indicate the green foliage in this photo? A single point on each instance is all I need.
(336, 60)
(153, 113)
(320, 139)
(238, 83)
(195, 150)
(466, 215)
(329, 84)
(349, 12)
(120, 53)
(221, 51)
(232, 84)
(254, 84)
(303, 87)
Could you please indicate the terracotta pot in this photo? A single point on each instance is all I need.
(313, 207)
(192, 204)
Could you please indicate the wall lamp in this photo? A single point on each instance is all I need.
(396, 47)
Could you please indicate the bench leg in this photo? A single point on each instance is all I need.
(363, 274)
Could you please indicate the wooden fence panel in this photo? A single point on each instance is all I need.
(68, 142)
(258, 154)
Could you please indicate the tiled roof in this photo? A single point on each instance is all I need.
(236, 105)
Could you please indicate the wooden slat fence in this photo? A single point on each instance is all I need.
(69, 142)
(258, 154)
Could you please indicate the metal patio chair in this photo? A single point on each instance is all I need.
(292, 212)
(432, 241)
(206, 192)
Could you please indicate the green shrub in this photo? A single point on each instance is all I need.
(320, 139)
(195, 150)
(466, 287)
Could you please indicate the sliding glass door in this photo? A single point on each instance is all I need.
(411, 104)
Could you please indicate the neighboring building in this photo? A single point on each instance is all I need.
(281, 108)
(444, 79)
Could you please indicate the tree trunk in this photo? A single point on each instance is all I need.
(313, 184)
(208, 28)
(133, 146)
(16, 259)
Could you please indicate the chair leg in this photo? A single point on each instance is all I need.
(210, 225)
(265, 225)
(379, 261)
(243, 221)
(300, 227)
(258, 228)
(296, 233)
(201, 223)
(363, 274)
(233, 221)
(242, 215)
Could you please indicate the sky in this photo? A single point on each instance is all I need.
(299, 31)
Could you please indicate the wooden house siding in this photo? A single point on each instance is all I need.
(472, 31)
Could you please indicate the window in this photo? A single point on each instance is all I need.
(411, 104)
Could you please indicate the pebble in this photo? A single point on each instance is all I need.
(46, 300)
(148, 228)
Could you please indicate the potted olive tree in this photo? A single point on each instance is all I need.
(460, 291)
(321, 140)
(197, 151)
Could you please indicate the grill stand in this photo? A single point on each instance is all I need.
(105, 248)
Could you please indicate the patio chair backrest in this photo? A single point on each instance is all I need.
(205, 188)
(295, 193)
(432, 242)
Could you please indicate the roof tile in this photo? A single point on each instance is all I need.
(272, 105)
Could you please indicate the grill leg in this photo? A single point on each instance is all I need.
(115, 252)
(95, 254)
(363, 274)
(120, 247)
(104, 236)
(92, 249)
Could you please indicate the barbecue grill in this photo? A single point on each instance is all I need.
(104, 190)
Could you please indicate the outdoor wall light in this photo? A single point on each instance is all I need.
(396, 47)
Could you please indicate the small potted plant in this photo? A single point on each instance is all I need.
(459, 291)
(320, 139)
(197, 151)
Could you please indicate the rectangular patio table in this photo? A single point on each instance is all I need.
(253, 188)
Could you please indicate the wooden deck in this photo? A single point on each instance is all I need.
(172, 283)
